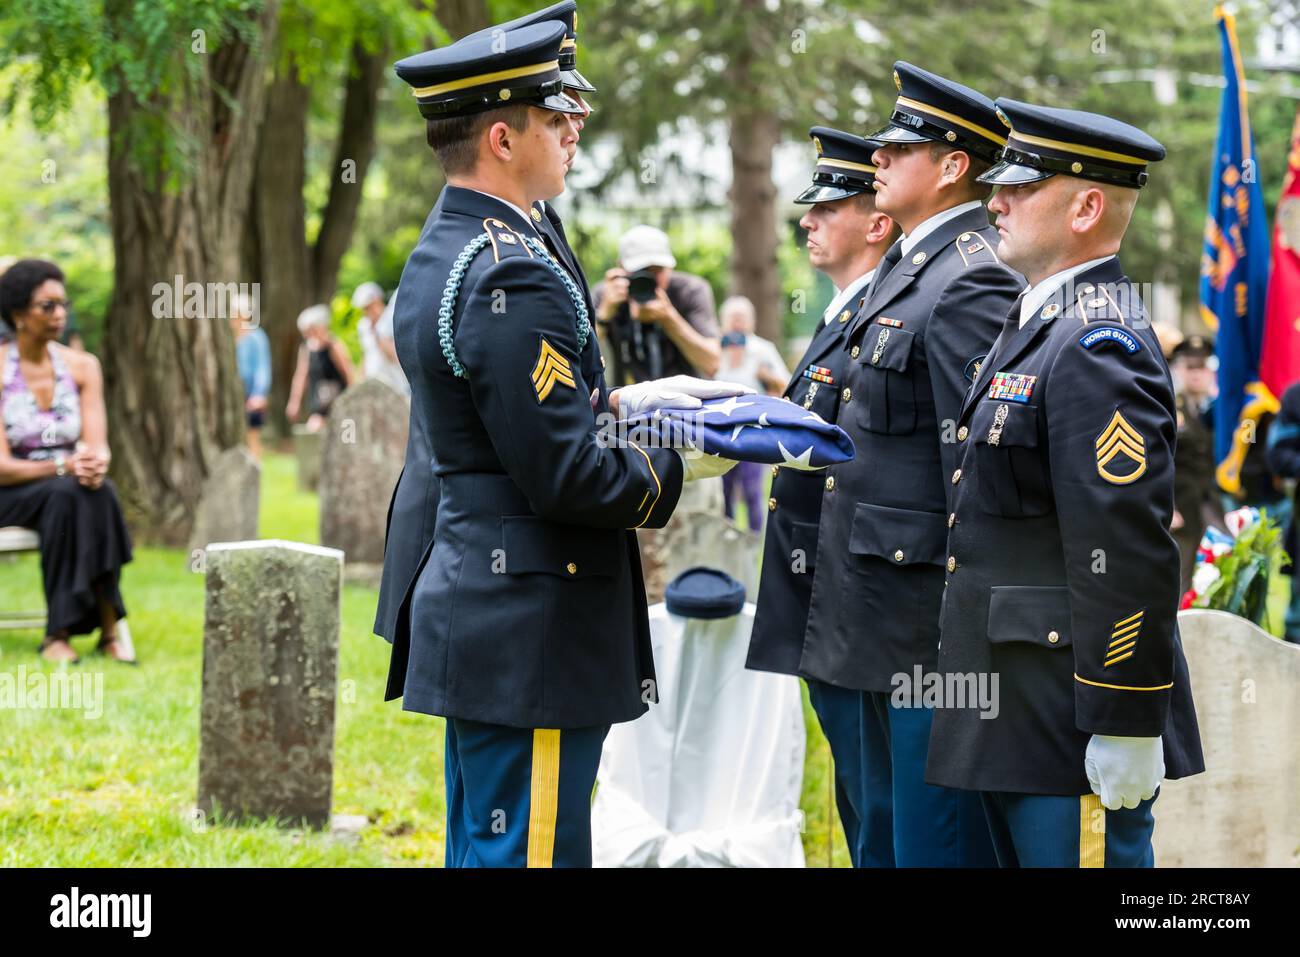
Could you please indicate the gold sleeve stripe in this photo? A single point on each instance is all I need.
(659, 487)
(544, 797)
(1098, 684)
(1092, 831)
(1129, 619)
(1112, 661)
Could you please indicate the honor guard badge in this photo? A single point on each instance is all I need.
(1121, 441)
(1012, 386)
(999, 421)
(1114, 334)
(550, 370)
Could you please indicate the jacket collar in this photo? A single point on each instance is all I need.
(909, 267)
(476, 205)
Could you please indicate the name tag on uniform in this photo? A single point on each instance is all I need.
(1012, 386)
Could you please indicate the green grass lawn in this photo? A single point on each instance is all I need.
(119, 790)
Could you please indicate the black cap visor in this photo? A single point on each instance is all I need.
(817, 193)
(1013, 174)
(573, 80)
(893, 133)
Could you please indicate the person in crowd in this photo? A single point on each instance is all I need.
(375, 330)
(54, 459)
(1284, 460)
(1194, 452)
(324, 369)
(253, 356)
(753, 361)
(657, 320)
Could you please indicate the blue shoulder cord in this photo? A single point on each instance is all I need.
(451, 292)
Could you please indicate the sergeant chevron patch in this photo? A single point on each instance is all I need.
(1120, 438)
(550, 369)
(1123, 637)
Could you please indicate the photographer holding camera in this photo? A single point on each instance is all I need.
(657, 322)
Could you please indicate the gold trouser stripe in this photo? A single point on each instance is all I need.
(1098, 684)
(1073, 148)
(847, 164)
(484, 78)
(659, 487)
(951, 118)
(1092, 832)
(544, 800)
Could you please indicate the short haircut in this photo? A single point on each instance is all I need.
(978, 167)
(454, 139)
(20, 281)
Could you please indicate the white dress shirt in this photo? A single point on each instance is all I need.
(846, 295)
(1040, 292)
(934, 222)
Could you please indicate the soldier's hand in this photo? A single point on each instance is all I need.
(1124, 771)
(699, 465)
(674, 392)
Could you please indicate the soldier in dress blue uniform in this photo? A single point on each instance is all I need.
(415, 497)
(526, 623)
(847, 236)
(934, 308)
(1062, 576)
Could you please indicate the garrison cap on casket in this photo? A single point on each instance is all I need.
(1046, 140)
(486, 71)
(844, 166)
(565, 12)
(931, 108)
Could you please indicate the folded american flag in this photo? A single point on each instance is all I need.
(748, 428)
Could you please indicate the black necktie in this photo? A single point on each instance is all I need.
(890, 260)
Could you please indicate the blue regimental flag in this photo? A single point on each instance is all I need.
(749, 428)
(1234, 271)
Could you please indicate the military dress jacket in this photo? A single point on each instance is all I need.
(790, 540)
(913, 348)
(527, 608)
(1062, 576)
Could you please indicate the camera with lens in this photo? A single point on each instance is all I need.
(642, 285)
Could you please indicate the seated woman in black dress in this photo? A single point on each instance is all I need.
(54, 462)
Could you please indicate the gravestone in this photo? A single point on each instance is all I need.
(306, 450)
(228, 507)
(1244, 811)
(712, 540)
(362, 452)
(270, 674)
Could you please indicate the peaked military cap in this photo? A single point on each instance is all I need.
(1045, 140)
(844, 166)
(931, 108)
(485, 71)
(565, 12)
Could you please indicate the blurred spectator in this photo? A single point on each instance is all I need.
(253, 356)
(1194, 462)
(54, 460)
(1284, 459)
(324, 369)
(753, 361)
(375, 330)
(6, 333)
(658, 322)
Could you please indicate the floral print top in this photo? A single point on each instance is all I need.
(36, 433)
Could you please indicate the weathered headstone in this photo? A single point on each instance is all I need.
(227, 509)
(306, 450)
(270, 674)
(1244, 811)
(363, 449)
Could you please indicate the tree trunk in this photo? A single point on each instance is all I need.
(172, 387)
(755, 132)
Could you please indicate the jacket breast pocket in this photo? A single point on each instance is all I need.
(901, 536)
(885, 358)
(534, 546)
(1032, 614)
(1013, 477)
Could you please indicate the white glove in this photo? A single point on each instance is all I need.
(674, 392)
(698, 465)
(1124, 771)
